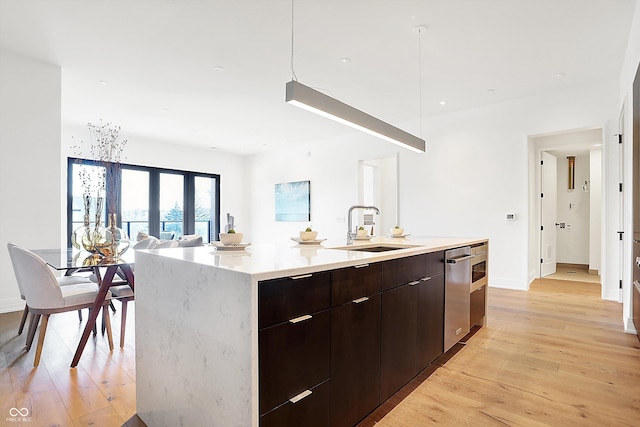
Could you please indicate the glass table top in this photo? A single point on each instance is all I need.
(64, 259)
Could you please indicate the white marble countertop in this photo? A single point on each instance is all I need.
(269, 261)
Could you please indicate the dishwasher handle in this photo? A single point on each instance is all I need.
(460, 259)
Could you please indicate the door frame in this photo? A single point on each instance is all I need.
(535, 149)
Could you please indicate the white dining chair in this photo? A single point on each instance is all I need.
(166, 244)
(145, 243)
(62, 281)
(44, 296)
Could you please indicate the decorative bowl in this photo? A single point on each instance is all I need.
(308, 235)
(397, 231)
(231, 238)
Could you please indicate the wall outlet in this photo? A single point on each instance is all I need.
(511, 217)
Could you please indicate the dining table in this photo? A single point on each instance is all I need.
(105, 270)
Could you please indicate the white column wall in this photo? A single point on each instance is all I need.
(30, 163)
(627, 74)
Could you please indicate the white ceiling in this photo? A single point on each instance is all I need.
(159, 60)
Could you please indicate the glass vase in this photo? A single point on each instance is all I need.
(83, 232)
(114, 241)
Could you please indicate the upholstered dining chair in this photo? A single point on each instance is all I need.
(44, 296)
(166, 244)
(62, 281)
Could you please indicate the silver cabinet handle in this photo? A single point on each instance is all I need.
(361, 265)
(638, 261)
(301, 318)
(424, 279)
(304, 276)
(359, 300)
(460, 259)
(297, 398)
(416, 282)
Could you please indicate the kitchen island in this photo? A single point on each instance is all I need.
(223, 335)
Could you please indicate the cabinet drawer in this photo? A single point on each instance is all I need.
(292, 358)
(311, 411)
(477, 305)
(280, 300)
(398, 272)
(351, 283)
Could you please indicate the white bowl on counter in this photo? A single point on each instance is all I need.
(308, 235)
(231, 238)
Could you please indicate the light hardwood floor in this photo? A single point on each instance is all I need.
(553, 356)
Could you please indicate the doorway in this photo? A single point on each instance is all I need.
(378, 186)
(566, 193)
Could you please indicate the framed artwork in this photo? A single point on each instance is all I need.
(293, 201)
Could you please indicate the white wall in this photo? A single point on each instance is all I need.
(473, 173)
(30, 163)
(573, 210)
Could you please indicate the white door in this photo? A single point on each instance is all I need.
(548, 213)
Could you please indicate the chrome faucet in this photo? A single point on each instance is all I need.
(351, 234)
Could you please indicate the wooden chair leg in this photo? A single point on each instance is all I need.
(95, 328)
(43, 330)
(24, 319)
(107, 321)
(123, 322)
(33, 325)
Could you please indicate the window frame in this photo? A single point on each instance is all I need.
(189, 210)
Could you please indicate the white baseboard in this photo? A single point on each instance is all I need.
(498, 282)
(629, 326)
(11, 305)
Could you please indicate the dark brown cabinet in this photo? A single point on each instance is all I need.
(412, 306)
(332, 346)
(399, 330)
(355, 343)
(430, 339)
(294, 341)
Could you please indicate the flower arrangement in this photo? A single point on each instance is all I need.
(105, 149)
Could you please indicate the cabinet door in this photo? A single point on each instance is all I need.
(310, 411)
(293, 357)
(430, 337)
(355, 360)
(398, 345)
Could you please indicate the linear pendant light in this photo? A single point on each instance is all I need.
(310, 99)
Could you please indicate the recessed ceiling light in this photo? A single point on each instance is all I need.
(559, 75)
(345, 60)
(218, 68)
(103, 83)
(443, 102)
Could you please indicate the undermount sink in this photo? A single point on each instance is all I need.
(374, 248)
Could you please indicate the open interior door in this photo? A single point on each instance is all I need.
(548, 213)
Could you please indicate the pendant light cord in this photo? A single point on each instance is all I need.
(293, 73)
(420, 75)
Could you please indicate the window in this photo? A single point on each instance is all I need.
(161, 202)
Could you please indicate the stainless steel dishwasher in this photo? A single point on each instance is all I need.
(456, 295)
